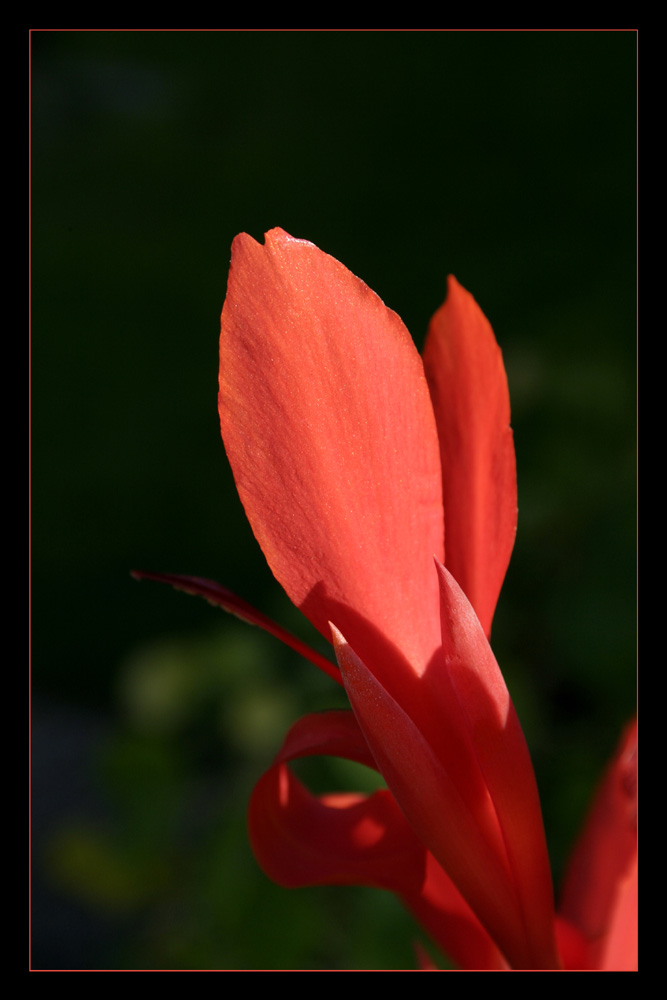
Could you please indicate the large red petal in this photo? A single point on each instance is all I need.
(600, 889)
(329, 428)
(446, 817)
(504, 761)
(466, 376)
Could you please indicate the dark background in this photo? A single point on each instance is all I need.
(507, 158)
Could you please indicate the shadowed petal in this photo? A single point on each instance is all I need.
(329, 428)
(443, 912)
(503, 758)
(466, 376)
(300, 839)
(449, 822)
(333, 734)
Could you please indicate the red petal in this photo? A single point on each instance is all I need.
(331, 734)
(442, 911)
(329, 428)
(215, 594)
(600, 890)
(450, 823)
(621, 947)
(300, 840)
(573, 947)
(505, 764)
(424, 960)
(466, 376)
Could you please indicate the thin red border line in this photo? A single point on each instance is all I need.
(339, 30)
(29, 503)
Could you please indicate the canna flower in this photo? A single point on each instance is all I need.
(382, 489)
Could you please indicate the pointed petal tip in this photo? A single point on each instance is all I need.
(337, 637)
(458, 294)
(446, 581)
(440, 567)
(352, 668)
(278, 235)
(271, 238)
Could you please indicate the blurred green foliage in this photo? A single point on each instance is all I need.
(507, 158)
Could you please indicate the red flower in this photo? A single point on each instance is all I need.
(351, 456)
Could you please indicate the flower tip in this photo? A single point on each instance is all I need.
(277, 236)
(141, 574)
(337, 637)
(454, 287)
(270, 237)
(352, 668)
(246, 247)
(445, 578)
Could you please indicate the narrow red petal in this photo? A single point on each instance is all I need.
(218, 595)
(504, 761)
(329, 428)
(453, 828)
(600, 889)
(466, 376)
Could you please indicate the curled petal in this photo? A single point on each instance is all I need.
(300, 839)
(466, 376)
(331, 734)
(328, 425)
